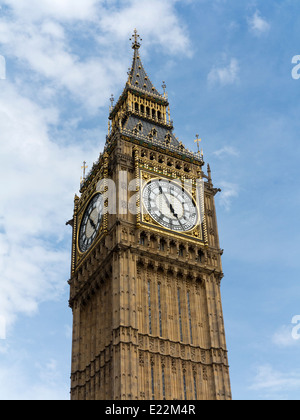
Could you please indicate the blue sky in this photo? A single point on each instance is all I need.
(227, 65)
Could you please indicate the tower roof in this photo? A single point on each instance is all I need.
(138, 77)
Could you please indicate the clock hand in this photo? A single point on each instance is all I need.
(92, 223)
(170, 206)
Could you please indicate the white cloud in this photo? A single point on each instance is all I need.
(39, 179)
(157, 22)
(274, 382)
(41, 382)
(283, 337)
(229, 192)
(227, 150)
(258, 25)
(51, 53)
(227, 75)
(58, 9)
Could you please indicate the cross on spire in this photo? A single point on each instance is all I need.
(198, 141)
(136, 38)
(84, 167)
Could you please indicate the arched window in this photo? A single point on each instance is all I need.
(200, 256)
(181, 251)
(143, 238)
(162, 245)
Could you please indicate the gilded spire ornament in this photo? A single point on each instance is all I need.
(198, 141)
(135, 38)
(84, 167)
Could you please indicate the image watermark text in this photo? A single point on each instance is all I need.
(296, 68)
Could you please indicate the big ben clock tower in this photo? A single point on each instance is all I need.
(146, 263)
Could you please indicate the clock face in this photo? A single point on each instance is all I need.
(91, 223)
(170, 205)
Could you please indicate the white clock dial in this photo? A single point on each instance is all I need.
(170, 205)
(91, 223)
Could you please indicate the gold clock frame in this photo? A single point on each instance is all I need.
(145, 220)
(80, 256)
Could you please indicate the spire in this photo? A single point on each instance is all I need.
(209, 174)
(138, 77)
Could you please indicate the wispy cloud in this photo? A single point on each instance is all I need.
(227, 75)
(284, 338)
(229, 192)
(258, 25)
(227, 151)
(275, 383)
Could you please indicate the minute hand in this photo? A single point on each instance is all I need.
(170, 205)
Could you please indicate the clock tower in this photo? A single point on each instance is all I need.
(146, 262)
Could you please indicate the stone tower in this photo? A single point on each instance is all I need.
(146, 263)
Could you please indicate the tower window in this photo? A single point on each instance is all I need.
(190, 316)
(152, 382)
(181, 251)
(163, 381)
(162, 245)
(184, 386)
(200, 256)
(170, 162)
(179, 312)
(149, 308)
(143, 239)
(159, 310)
(168, 139)
(195, 387)
(136, 106)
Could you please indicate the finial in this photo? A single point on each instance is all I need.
(112, 100)
(198, 141)
(209, 174)
(164, 86)
(84, 167)
(135, 38)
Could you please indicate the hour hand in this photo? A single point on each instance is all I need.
(92, 223)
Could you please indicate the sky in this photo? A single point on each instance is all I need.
(229, 73)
